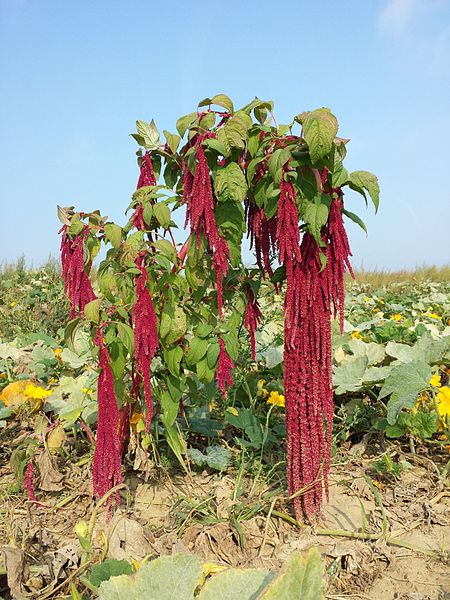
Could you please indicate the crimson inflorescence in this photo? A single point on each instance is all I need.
(199, 199)
(145, 334)
(77, 285)
(224, 367)
(28, 481)
(146, 177)
(315, 290)
(106, 468)
(252, 317)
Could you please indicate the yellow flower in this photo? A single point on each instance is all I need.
(261, 389)
(276, 398)
(88, 392)
(396, 317)
(58, 351)
(422, 399)
(434, 316)
(357, 335)
(375, 310)
(435, 381)
(53, 380)
(233, 411)
(12, 304)
(35, 392)
(135, 418)
(443, 402)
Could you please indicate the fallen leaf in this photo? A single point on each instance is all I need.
(50, 478)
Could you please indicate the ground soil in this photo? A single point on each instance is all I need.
(406, 521)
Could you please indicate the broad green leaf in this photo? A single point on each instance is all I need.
(204, 372)
(112, 567)
(167, 249)
(276, 163)
(113, 234)
(339, 177)
(375, 352)
(92, 310)
(230, 183)
(149, 133)
(203, 330)
(197, 350)
(126, 335)
(173, 140)
(315, 216)
(212, 355)
(348, 376)
(249, 423)
(223, 100)
(162, 214)
(236, 584)
(165, 578)
(235, 131)
(302, 578)
(172, 358)
(403, 384)
(319, 129)
(183, 123)
(208, 120)
(366, 181)
(172, 323)
(169, 408)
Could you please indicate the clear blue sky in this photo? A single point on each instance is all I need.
(76, 75)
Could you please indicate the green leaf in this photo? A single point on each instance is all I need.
(173, 140)
(230, 183)
(403, 384)
(126, 335)
(110, 568)
(236, 584)
(249, 423)
(169, 408)
(70, 331)
(203, 330)
(315, 216)
(162, 214)
(208, 120)
(319, 130)
(363, 180)
(348, 376)
(172, 358)
(216, 145)
(355, 219)
(235, 131)
(173, 323)
(113, 234)
(339, 177)
(212, 355)
(276, 163)
(197, 350)
(149, 133)
(204, 372)
(184, 122)
(167, 249)
(165, 578)
(92, 310)
(223, 100)
(302, 578)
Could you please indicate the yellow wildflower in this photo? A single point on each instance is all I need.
(57, 352)
(276, 398)
(209, 569)
(422, 399)
(356, 335)
(135, 418)
(87, 391)
(12, 304)
(261, 389)
(233, 411)
(434, 316)
(53, 380)
(435, 381)
(396, 317)
(36, 392)
(443, 402)
(375, 310)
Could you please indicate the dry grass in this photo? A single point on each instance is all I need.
(383, 278)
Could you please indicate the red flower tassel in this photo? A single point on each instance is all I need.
(77, 285)
(223, 372)
(145, 334)
(146, 177)
(252, 317)
(106, 469)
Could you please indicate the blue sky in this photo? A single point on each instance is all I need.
(76, 75)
